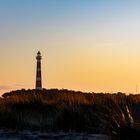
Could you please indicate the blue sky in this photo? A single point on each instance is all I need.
(88, 45)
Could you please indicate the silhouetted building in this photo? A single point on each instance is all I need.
(38, 72)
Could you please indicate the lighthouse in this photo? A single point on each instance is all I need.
(38, 72)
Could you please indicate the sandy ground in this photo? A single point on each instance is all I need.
(26, 135)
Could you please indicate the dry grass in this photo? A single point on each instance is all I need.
(63, 110)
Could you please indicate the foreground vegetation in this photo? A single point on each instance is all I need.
(56, 110)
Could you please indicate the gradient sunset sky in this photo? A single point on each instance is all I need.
(86, 45)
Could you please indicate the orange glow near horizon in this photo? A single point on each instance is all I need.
(91, 69)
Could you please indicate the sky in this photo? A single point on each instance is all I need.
(86, 45)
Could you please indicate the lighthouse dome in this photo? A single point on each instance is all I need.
(38, 53)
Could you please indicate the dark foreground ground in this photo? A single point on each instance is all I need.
(27, 135)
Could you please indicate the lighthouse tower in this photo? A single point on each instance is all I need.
(38, 72)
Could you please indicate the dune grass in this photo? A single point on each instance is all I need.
(70, 111)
